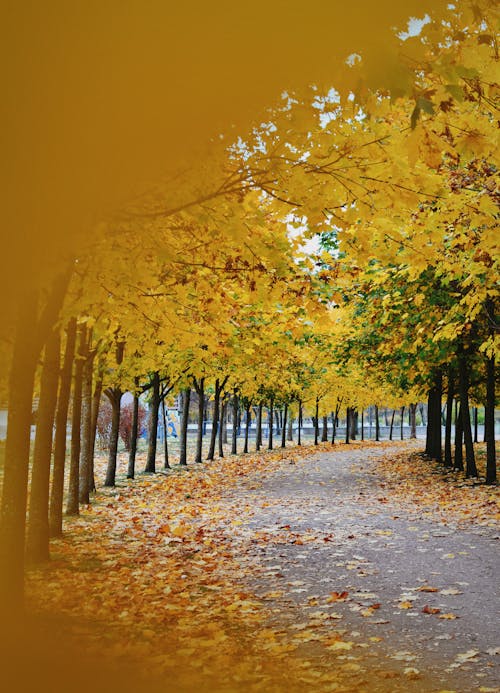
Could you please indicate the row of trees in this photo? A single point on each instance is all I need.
(202, 285)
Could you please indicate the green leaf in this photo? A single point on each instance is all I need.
(456, 91)
(414, 117)
(425, 105)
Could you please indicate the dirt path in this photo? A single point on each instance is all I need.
(322, 527)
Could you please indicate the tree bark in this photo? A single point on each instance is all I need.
(166, 461)
(386, 416)
(186, 398)
(258, 429)
(234, 436)
(60, 438)
(31, 332)
(200, 391)
(223, 408)
(402, 422)
(289, 434)
(271, 421)
(353, 421)
(422, 414)
(72, 506)
(448, 461)
(37, 544)
(96, 404)
(283, 428)
(85, 471)
(463, 387)
(115, 397)
(347, 424)
(154, 406)
(458, 462)
(324, 432)
(215, 420)
(248, 418)
(413, 421)
(134, 433)
(299, 432)
(316, 421)
(377, 424)
(433, 445)
(392, 424)
(489, 422)
(223, 423)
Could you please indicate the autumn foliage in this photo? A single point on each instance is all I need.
(336, 256)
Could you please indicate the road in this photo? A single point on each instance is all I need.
(329, 551)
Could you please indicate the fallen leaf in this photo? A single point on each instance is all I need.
(405, 605)
(337, 597)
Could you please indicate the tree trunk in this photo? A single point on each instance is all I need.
(289, 434)
(353, 423)
(333, 427)
(248, 418)
(223, 423)
(31, 332)
(154, 406)
(489, 422)
(166, 462)
(347, 424)
(316, 421)
(271, 417)
(392, 424)
(85, 481)
(433, 445)
(221, 427)
(115, 397)
(234, 436)
(458, 462)
(278, 419)
(463, 387)
(377, 424)
(215, 421)
(324, 432)
(72, 506)
(402, 421)
(60, 438)
(422, 414)
(475, 424)
(134, 433)
(258, 429)
(37, 544)
(283, 428)
(448, 461)
(186, 398)
(299, 432)
(96, 403)
(413, 421)
(17, 455)
(200, 391)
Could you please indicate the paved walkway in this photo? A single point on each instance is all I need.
(329, 551)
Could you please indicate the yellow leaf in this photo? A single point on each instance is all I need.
(405, 605)
(340, 645)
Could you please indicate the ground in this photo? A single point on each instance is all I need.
(418, 595)
(354, 568)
